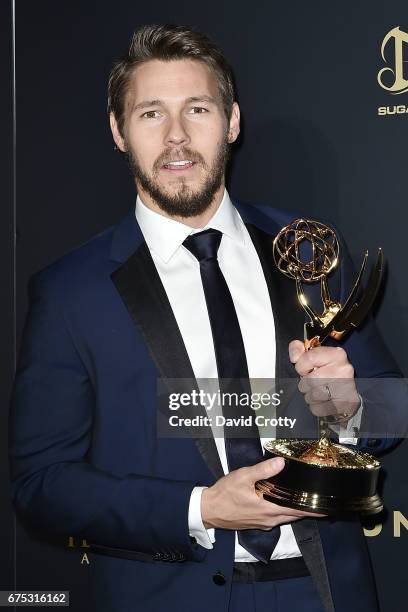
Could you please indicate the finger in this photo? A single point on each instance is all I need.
(289, 519)
(323, 410)
(282, 519)
(319, 357)
(308, 384)
(342, 392)
(319, 394)
(265, 469)
(332, 371)
(303, 513)
(284, 510)
(296, 349)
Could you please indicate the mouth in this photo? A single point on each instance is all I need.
(179, 166)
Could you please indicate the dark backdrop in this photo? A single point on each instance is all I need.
(7, 252)
(312, 141)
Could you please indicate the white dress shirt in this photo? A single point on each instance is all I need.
(179, 272)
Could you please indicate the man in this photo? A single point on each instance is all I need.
(176, 522)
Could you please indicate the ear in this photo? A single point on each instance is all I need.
(233, 130)
(117, 137)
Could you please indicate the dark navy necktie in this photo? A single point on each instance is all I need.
(242, 444)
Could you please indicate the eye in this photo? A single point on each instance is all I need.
(151, 114)
(198, 110)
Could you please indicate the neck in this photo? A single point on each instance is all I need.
(196, 221)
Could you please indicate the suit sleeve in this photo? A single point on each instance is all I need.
(379, 380)
(55, 488)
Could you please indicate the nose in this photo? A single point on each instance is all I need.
(176, 134)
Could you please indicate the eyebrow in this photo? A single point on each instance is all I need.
(149, 103)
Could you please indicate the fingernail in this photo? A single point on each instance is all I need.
(294, 355)
(278, 463)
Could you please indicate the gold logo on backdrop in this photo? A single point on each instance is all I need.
(73, 543)
(399, 520)
(395, 39)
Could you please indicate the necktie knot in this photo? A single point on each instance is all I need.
(204, 245)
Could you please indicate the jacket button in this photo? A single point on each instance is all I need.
(219, 579)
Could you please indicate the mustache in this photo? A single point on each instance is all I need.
(171, 155)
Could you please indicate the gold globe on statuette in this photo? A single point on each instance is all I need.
(319, 475)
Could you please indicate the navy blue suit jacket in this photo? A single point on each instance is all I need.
(85, 457)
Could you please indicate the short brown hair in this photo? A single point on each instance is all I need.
(167, 42)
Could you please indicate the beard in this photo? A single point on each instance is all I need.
(185, 202)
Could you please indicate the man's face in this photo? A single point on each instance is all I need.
(176, 135)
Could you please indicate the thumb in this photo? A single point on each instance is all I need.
(296, 349)
(267, 468)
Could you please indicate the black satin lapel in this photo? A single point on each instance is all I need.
(142, 291)
(288, 320)
(287, 313)
(310, 545)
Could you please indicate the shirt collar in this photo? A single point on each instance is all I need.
(165, 236)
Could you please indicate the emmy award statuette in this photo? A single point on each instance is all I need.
(319, 475)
